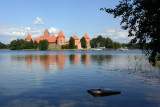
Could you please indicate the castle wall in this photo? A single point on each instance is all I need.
(54, 45)
(77, 43)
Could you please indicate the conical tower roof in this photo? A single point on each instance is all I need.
(60, 34)
(75, 37)
(28, 36)
(46, 31)
(86, 36)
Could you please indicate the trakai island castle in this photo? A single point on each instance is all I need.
(56, 42)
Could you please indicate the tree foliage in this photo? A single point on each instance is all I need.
(17, 44)
(65, 46)
(109, 43)
(20, 44)
(31, 45)
(101, 41)
(83, 43)
(35, 44)
(117, 45)
(3, 46)
(43, 44)
(71, 43)
(141, 18)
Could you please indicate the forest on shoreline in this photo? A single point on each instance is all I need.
(97, 42)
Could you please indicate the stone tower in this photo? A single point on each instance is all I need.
(61, 38)
(88, 41)
(46, 34)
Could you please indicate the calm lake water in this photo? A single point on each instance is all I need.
(61, 78)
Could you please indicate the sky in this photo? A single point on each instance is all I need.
(73, 17)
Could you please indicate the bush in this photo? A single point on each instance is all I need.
(17, 44)
(43, 44)
(65, 46)
(62, 46)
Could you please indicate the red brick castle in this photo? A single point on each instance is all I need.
(59, 40)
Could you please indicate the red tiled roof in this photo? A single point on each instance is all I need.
(36, 39)
(66, 41)
(28, 36)
(52, 39)
(75, 37)
(86, 36)
(41, 37)
(53, 36)
(60, 34)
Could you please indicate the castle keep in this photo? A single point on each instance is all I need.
(56, 42)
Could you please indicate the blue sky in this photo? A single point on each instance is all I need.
(19, 17)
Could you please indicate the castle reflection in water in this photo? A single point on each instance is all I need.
(54, 61)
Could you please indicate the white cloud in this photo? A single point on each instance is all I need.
(28, 28)
(38, 21)
(54, 30)
(117, 34)
(11, 33)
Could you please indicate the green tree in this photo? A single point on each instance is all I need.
(13, 45)
(35, 44)
(141, 19)
(71, 43)
(93, 43)
(83, 42)
(2, 46)
(31, 45)
(43, 44)
(16, 44)
(26, 45)
(117, 45)
(100, 40)
(109, 43)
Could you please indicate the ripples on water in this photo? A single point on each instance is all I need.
(61, 78)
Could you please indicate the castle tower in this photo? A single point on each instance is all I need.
(28, 37)
(61, 38)
(88, 41)
(76, 41)
(46, 34)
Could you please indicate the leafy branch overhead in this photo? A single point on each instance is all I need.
(141, 18)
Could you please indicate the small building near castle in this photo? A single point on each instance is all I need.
(56, 42)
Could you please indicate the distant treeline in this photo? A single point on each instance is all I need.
(20, 44)
(100, 41)
(109, 44)
(4, 46)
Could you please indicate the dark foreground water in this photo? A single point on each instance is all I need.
(61, 78)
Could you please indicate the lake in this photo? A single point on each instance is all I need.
(61, 78)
